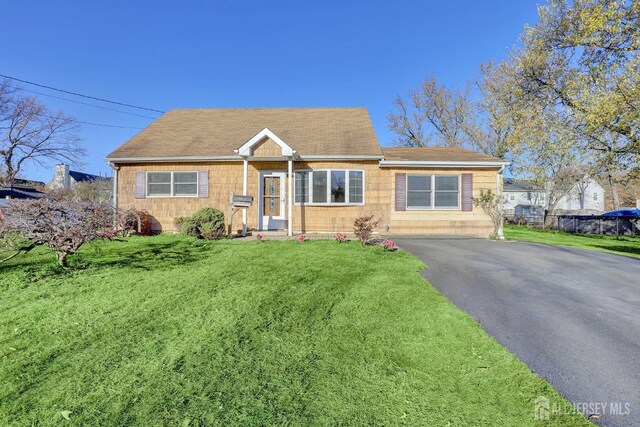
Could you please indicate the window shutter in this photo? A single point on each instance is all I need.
(140, 185)
(467, 192)
(203, 184)
(401, 191)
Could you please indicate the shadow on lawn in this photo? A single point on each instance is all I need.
(148, 255)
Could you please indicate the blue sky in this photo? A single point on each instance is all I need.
(165, 55)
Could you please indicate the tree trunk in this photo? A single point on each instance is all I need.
(62, 259)
(613, 185)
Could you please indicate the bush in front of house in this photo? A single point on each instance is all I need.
(206, 223)
(363, 228)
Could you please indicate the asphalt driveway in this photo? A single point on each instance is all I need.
(573, 316)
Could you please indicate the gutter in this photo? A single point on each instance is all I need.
(236, 158)
(446, 164)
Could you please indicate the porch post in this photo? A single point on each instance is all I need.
(290, 197)
(245, 174)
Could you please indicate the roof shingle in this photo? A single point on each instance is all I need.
(435, 154)
(218, 132)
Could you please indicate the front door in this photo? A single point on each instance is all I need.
(272, 204)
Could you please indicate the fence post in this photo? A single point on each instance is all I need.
(600, 222)
(617, 226)
(575, 225)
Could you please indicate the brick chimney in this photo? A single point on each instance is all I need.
(62, 179)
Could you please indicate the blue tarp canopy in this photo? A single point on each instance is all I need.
(624, 212)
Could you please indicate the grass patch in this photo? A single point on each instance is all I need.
(169, 330)
(621, 245)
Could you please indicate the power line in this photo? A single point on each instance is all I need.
(82, 103)
(49, 116)
(80, 94)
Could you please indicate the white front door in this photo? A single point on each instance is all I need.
(272, 201)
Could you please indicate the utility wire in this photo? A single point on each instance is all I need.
(82, 103)
(49, 116)
(80, 94)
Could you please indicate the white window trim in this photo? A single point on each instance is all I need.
(328, 203)
(160, 196)
(433, 194)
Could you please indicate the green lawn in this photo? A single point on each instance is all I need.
(622, 245)
(171, 331)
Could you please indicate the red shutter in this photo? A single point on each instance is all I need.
(467, 192)
(401, 191)
(140, 184)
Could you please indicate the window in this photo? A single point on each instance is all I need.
(419, 191)
(319, 179)
(338, 186)
(513, 196)
(595, 196)
(168, 184)
(433, 191)
(302, 187)
(338, 189)
(159, 184)
(185, 183)
(447, 192)
(356, 188)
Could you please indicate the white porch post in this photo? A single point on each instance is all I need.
(290, 197)
(245, 177)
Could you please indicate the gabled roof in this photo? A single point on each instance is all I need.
(81, 176)
(217, 133)
(517, 185)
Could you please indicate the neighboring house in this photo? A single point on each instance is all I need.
(309, 170)
(586, 197)
(67, 179)
(22, 189)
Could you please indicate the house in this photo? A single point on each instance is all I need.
(22, 189)
(66, 179)
(584, 197)
(308, 169)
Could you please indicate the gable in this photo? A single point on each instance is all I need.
(267, 148)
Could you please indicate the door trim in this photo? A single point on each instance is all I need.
(272, 223)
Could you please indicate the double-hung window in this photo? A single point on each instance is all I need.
(433, 191)
(172, 184)
(329, 187)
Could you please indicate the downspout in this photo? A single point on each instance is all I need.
(115, 183)
(499, 202)
(115, 192)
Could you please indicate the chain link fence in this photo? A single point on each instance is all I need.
(588, 224)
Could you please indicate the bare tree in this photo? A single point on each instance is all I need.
(432, 111)
(29, 132)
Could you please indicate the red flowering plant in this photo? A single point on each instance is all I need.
(340, 237)
(389, 245)
(302, 238)
(259, 237)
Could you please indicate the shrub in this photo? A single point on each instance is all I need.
(340, 238)
(259, 237)
(206, 223)
(63, 225)
(389, 245)
(302, 238)
(363, 228)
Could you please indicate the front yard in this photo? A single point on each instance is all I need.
(174, 331)
(622, 245)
